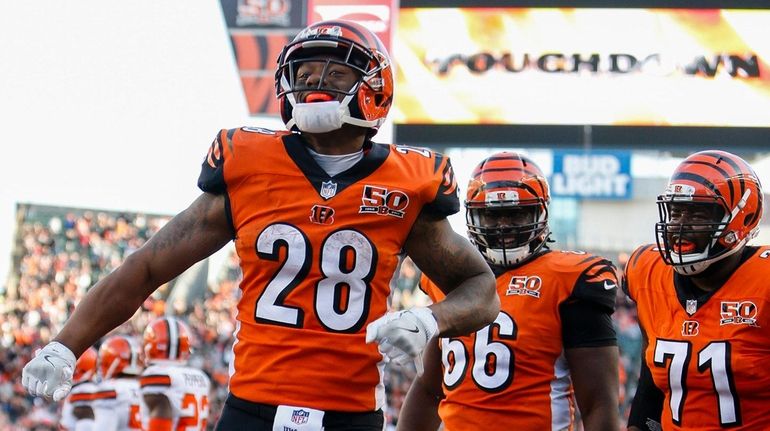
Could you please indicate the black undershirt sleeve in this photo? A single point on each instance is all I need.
(648, 403)
(586, 324)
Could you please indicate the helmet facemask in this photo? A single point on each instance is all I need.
(703, 238)
(507, 232)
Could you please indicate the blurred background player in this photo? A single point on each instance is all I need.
(118, 403)
(77, 413)
(554, 331)
(177, 396)
(703, 298)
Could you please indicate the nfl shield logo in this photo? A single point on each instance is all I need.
(300, 416)
(691, 307)
(328, 189)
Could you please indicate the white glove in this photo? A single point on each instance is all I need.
(49, 373)
(403, 335)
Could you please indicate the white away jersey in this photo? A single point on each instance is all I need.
(81, 395)
(118, 405)
(186, 388)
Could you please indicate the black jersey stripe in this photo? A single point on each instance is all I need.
(719, 169)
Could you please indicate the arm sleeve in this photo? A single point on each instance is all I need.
(648, 403)
(586, 324)
(212, 177)
(587, 313)
(597, 283)
(446, 201)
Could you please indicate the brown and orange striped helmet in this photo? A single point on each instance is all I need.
(501, 186)
(712, 179)
(342, 42)
(166, 339)
(85, 367)
(119, 354)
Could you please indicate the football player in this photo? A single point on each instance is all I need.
(117, 403)
(702, 299)
(177, 396)
(321, 217)
(77, 413)
(553, 341)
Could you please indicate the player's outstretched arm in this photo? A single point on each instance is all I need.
(420, 409)
(455, 265)
(594, 373)
(192, 235)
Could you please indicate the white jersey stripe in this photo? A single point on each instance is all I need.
(173, 338)
(562, 410)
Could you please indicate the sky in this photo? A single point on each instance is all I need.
(111, 105)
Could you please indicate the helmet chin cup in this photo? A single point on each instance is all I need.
(700, 263)
(691, 268)
(507, 257)
(319, 117)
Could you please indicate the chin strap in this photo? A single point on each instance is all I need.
(698, 267)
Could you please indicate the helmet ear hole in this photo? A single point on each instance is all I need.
(378, 99)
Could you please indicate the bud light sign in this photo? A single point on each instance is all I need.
(591, 174)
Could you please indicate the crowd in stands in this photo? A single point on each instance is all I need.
(60, 253)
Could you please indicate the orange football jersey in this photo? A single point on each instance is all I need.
(513, 374)
(319, 256)
(711, 355)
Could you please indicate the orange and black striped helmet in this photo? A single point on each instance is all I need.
(119, 354)
(507, 208)
(85, 367)
(166, 339)
(713, 179)
(342, 42)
